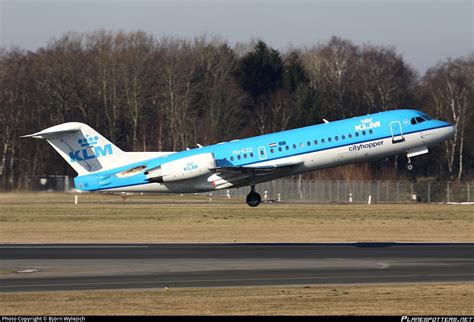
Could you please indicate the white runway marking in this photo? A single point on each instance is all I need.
(27, 271)
(227, 280)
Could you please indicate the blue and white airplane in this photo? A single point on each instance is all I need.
(101, 166)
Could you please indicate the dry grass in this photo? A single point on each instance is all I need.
(47, 217)
(382, 299)
(53, 217)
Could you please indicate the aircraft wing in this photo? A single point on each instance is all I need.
(253, 170)
(258, 169)
(229, 176)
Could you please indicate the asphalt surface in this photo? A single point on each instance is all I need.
(55, 267)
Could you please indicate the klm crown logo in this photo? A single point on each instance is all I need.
(90, 149)
(88, 141)
(367, 124)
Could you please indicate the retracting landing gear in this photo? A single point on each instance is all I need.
(410, 166)
(411, 173)
(253, 198)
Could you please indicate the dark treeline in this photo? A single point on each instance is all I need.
(149, 94)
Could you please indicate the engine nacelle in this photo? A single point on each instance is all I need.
(182, 169)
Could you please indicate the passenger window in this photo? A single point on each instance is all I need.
(357, 133)
(280, 149)
(308, 143)
(336, 138)
(363, 132)
(343, 137)
(261, 152)
(231, 158)
(271, 150)
(322, 141)
(294, 146)
(350, 136)
(315, 142)
(238, 157)
(251, 154)
(245, 155)
(329, 139)
(370, 131)
(287, 147)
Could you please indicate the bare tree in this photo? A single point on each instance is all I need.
(218, 95)
(331, 68)
(384, 80)
(176, 89)
(103, 48)
(450, 90)
(135, 72)
(14, 98)
(172, 93)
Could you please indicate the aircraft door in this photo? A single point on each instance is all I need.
(397, 132)
(262, 153)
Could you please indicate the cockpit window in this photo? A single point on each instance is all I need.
(419, 119)
(425, 116)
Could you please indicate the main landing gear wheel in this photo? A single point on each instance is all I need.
(253, 198)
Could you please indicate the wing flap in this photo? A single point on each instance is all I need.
(258, 169)
(230, 176)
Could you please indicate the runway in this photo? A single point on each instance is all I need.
(53, 267)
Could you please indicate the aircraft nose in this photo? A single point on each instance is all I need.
(450, 130)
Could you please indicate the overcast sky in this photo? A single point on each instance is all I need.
(423, 31)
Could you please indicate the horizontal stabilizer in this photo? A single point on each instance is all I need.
(55, 131)
(82, 147)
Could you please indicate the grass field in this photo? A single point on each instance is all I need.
(53, 217)
(382, 299)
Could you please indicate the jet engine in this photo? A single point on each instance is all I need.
(182, 169)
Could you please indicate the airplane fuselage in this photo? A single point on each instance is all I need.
(262, 158)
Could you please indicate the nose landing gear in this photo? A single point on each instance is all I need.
(253, 198)
(410, 165)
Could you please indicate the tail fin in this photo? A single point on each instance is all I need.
(82, 147)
